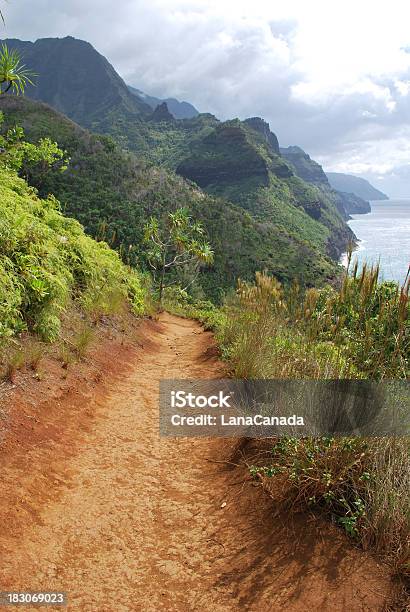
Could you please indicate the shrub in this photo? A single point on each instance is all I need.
(47, 261)
(179, 302)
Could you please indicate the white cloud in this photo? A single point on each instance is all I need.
(333, 77)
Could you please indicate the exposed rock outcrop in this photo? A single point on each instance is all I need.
(179, 110)
(224, 156)
(262, 126)
(161, 113)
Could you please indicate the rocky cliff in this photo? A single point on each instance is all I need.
(305, 167)
(241, 162)
(161, 113)
(262, 127)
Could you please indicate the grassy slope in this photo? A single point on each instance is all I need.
(47, 262)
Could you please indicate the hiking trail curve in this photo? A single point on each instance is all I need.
(123, 520)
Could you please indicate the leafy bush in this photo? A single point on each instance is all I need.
(179, 302)
(46, 261)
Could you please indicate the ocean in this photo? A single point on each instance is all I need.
(384, 236)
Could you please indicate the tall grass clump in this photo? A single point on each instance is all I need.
(361, 330)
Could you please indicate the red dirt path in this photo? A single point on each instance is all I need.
(93, 502)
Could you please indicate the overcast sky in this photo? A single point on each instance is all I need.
(330, 76)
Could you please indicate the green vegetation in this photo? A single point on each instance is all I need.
(311, 172)
(290, 228)
(14, 76)
(100, 100)
(361, 330)
(46, 260)
(112, 194)
(362, 483)
(179, 302)
(20, 155)
(257, 214)
(238, 163)
(176, 245)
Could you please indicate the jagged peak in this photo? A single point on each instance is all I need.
(262, 127)
(161, 113)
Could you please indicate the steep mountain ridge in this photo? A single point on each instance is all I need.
(112, 193)
(305, 167)
(312, 172)
(241, 162)
(77, 80)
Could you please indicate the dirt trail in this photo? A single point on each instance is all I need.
(137, 522)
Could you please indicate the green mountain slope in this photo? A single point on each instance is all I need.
(112, 193)
(78, 81)
(241, 162)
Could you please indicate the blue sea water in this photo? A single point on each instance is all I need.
(384, 236)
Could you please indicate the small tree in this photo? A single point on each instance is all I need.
(24, 157)
(179, 242)
(14, 76)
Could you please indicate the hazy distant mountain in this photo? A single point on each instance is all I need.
(180, 110)
(356, 185)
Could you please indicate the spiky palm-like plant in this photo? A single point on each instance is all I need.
(14, 76)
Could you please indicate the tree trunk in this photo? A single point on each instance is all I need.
(161, 282)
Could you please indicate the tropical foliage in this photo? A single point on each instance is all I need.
(20, 155)
(47, 262)
(14, 76)
(177, 244)
(112, 193)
